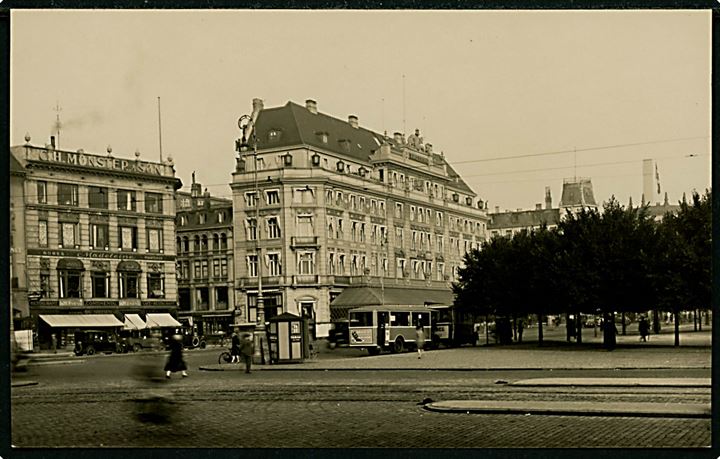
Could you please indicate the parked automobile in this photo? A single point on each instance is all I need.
(339, 334)
(91, 341)
(136, 340)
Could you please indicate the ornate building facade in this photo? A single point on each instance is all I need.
(205, 270)
(99, 233)
(325, 204)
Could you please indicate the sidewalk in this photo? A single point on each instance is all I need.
(512, 357)
(527, 408)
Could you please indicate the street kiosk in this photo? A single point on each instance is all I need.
(285, 333)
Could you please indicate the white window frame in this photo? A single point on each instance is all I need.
(275, 194)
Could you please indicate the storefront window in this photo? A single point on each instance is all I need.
(153, 203)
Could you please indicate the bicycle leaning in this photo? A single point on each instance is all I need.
(225, 357)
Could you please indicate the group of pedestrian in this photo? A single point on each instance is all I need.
(242, 346)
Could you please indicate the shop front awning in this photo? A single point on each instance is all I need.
(158, 320)
(134, 322)
(81, 320)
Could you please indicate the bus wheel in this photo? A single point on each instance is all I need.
(399, 345)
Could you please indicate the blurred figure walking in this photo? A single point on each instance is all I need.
(247, 350)
(235, 348)
(419, 340)
(175, 361)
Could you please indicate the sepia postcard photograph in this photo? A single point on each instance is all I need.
(432, 228)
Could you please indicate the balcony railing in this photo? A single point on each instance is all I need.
(304, 241)
(305, 279)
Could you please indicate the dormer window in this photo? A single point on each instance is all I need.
(323, 136)
(274, 135)
(287, 159)
(316, 160)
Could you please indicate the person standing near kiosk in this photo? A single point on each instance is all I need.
(247, 350)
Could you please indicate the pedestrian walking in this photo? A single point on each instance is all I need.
(520, 327)
(644, 329)
(175, 361)
(235, 349)
(247, 350)
(419, 340)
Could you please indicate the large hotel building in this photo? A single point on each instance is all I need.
(91, 234)
(322, 205)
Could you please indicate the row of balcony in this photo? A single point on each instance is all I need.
(315, 280)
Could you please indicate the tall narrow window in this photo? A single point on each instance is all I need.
(224, 267)
(99, 236)
(272, 197)
(128, 238)
(251, 225)
(43, 233)
(69, 236)
(273, 227)
(252, 265)
(250, 199)
(41, 192)
(306, 263)
(100, 284)
(273, 262)
(304, 225)
(216, 268)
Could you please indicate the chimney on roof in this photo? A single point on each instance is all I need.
(497, 209)
(353, 121)
(257, 105)
(548, 198)
(538, 206)
(311, 105)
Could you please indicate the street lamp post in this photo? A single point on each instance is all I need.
(245, 123)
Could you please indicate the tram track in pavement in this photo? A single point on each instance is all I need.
(363, 392)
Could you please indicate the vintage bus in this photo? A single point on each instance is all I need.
(377, 328)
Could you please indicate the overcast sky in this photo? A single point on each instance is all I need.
(618, 87)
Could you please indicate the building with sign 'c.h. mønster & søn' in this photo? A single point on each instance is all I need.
(98, 240)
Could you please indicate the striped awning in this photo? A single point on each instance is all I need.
(157, 320)
(81, 320)
(133, 322)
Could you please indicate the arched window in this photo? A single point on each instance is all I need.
(204, 245)
(196, 244)
(216, 242)
(179, 244)
(223, 241)
(186, 244)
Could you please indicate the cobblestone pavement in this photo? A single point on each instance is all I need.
(313, 414)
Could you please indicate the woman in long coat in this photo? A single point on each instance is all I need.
(175, 361)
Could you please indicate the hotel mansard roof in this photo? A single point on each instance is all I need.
(296, 125)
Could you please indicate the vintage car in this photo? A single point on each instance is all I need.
(91, 341)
